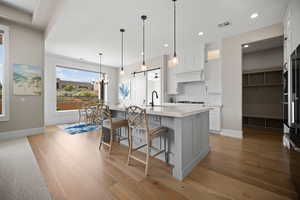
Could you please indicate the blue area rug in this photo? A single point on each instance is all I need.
(79, 128)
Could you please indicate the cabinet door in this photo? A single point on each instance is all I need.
(171, 80)
(214, 120)
(213, 76)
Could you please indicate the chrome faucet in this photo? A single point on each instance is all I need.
(152, 102)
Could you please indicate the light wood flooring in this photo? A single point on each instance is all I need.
(256, 167)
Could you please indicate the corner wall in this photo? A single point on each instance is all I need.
(52, 116)
(26, 46)
(232, 76)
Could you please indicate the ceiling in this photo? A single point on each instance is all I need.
(85, 28)
(264, 45)
(24, 5)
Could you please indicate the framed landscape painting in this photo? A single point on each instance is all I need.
(27, 80)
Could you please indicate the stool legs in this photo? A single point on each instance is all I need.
(147, 159)
(111, 140)
(129, 145)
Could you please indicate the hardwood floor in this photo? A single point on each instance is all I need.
(256, 167)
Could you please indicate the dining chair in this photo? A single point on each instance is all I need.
(112, 124)
(82, 112)
(138, 121)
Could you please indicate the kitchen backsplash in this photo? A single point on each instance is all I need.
(196, 92)
(193, 91)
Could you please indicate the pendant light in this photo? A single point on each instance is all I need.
(122, 51)
(175, 58)
(101, 79)
(143, 66)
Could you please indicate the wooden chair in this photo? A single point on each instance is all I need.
(112, 124)
(82, 111)
(138, 120)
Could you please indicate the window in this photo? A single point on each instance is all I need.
(75, 87)
(4, 74)
(213, 54)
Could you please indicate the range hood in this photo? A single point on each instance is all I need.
(191, 76)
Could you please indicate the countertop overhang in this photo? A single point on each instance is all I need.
(169, 110)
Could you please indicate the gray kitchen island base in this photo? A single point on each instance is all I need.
(188, 141)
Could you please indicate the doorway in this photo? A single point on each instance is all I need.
(262, 65)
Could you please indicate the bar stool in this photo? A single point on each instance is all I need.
(138, 120)
(112, 124)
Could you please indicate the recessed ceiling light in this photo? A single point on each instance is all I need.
(142, 53)
(254, 15)
(200, 33)
(166, 45)
(246, 46)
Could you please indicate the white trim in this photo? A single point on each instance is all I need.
(214, 132)
(6, 75)
(21, 133)
(232, 133)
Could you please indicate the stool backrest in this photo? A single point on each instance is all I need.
(137, 118)
(103, 112)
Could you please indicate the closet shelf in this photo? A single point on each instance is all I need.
(264, 85)
(263, 116)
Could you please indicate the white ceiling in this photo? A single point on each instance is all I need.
(85, 28)
(264, 45)
(25, 5)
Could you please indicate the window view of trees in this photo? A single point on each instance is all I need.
(75, 88)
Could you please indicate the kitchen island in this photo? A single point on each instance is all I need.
(188, 126)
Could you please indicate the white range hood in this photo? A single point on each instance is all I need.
(191, 76)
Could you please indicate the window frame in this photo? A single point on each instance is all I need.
(6, 74)
(74, 68)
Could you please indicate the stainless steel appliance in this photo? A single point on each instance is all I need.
(295, 118)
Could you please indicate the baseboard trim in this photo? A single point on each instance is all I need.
(21, 133)
(232, 133)
(214, 132)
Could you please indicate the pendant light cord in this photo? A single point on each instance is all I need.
(122, 49)
(175, 54)
(100, 54)
(144, 41)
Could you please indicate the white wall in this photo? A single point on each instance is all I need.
(26, 46)
(263, 59)
(136, 89)
(57, 117)
(232, 75)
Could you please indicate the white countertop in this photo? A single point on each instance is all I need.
(169, 110)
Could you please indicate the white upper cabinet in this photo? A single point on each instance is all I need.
(213, 76)
(192, 59)
(171, 80)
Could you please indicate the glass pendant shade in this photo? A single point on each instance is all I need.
(175, 60)
(143, 67)
(122, 72)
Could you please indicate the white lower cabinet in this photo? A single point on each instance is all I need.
(215, 120)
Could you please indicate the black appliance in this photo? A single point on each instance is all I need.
(295, 119)
(285, 99)
(295, 87)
